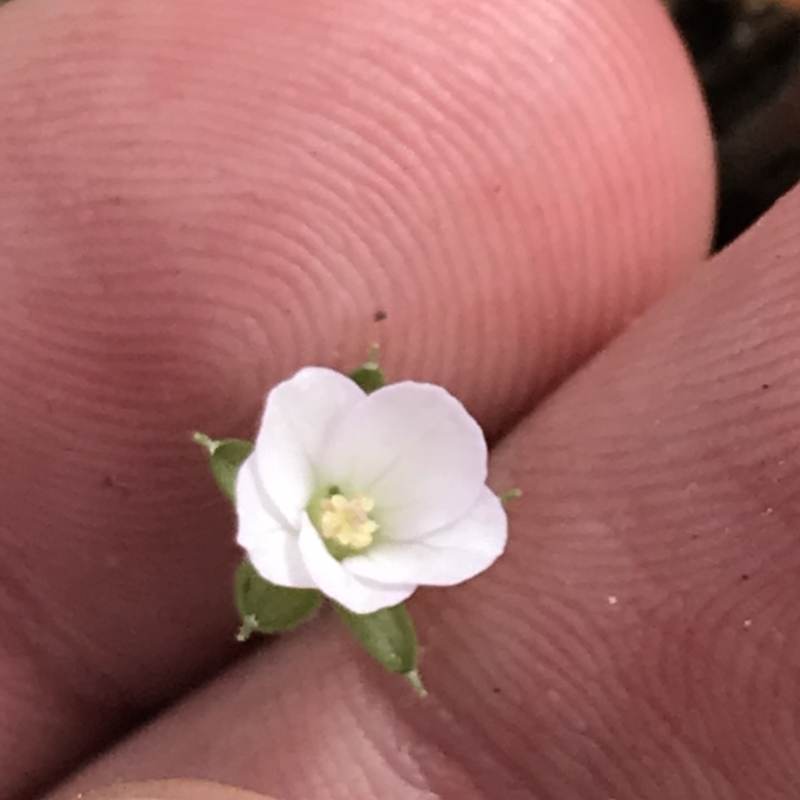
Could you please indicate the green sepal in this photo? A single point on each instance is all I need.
(267, 608)
(369, 376)
(225, 458)
(389, 637)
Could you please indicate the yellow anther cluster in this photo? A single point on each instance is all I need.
(346, 521)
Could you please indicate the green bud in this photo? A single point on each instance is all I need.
(267, 608)
(390, 638)
(225, 458)
(369, 375)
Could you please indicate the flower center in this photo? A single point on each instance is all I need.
(346, 522)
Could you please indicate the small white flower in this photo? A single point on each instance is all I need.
(367, 497)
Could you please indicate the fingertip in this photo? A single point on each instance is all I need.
(508, 184)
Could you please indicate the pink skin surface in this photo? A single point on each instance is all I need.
(199, 198)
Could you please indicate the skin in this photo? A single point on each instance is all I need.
(199, 198)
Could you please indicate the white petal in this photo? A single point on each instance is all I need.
(415, 450)
(270, 543)
(333, 579)
(299, 416)
(444, 557)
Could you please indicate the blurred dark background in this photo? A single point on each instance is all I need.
(747, 54)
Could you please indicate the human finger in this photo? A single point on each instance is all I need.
(198, 199)
(638, 639)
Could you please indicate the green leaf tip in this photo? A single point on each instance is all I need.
(267, 608)
(414, 678)
(389, 636)
(206, 442)
(369, 376)
(511, 494)
(225, 458)
(249, 627)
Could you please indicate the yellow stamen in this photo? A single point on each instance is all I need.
(347, 522)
